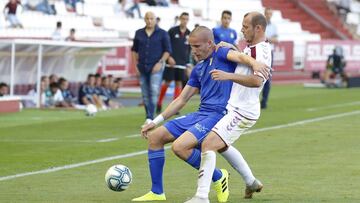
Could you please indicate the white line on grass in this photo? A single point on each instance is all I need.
(132, 136)
(334, 106)
(60, 168)
(108, 140)
(70, 166)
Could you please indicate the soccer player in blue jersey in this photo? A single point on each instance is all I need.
(188, 131)
(224, 32)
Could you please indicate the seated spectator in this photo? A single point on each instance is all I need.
(54, 97)
(135, 6)
(151, 2)
(4, 89)
(41, 5)
(44, 85)
(53, 78)
(334, 73)
(71, 5)
(88, 94)
(10, 13)
(57, 34)
(68, 96)
(115, 85)
(119, 7)
(162, 3)
(105, 94)
(71, 36)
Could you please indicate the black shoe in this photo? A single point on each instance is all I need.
(158, 109)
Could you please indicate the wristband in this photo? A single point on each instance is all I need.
(158, 119)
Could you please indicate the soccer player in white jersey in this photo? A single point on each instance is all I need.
(243, 111)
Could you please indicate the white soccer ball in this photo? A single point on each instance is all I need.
(91, 110)
(118, 178)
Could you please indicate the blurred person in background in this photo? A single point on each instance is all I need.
(178, 61)
(4, 89)
(119, 7)
(54, 97)
(10, 13)
(271, 35)
(57, 34)
(87, 93)
(105, 94)
(335, 74)
(53, 78)
(135, 6)
(224, 32)
(44, 85)
(40, 5)
(150, 50)
(71, 36)
(115, 86)
(68, 96)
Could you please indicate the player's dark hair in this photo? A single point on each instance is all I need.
(226, 12)
(3, 85)
(184, 14)
(54, 85)
(61, 80)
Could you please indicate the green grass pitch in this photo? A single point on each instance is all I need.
(313, 161)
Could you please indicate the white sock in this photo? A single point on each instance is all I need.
(237, 161)
(207, 167)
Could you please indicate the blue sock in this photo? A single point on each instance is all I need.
(194, 160)
(156, 164)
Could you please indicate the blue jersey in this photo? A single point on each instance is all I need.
(224, 34)
(214, 95)
(86, 91)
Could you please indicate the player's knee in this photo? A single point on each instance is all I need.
(178, 149)
(206, 145)
(158, 138)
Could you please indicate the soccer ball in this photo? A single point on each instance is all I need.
(118, 178)
(90, 110)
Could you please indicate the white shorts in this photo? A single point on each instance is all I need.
(231, 126)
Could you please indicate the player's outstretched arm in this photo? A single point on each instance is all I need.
(258, 67)
(245, 80)
(175, 106)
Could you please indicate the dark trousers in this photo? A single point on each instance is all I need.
(265, 93)
(267, 87)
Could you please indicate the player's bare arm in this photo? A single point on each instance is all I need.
(258, 67)
(157, 67)
(135, 57)
(245, 80)
(174, 107)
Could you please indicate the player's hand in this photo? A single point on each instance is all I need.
(157, 67)
(225, 44)
(261, 68)
(219, 75)
(171, 61)
(145, 129)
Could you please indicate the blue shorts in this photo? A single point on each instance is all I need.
(198, 123)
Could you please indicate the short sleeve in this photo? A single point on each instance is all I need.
(222, 53)
(194, 79)
(166, 42)
(135, 46)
